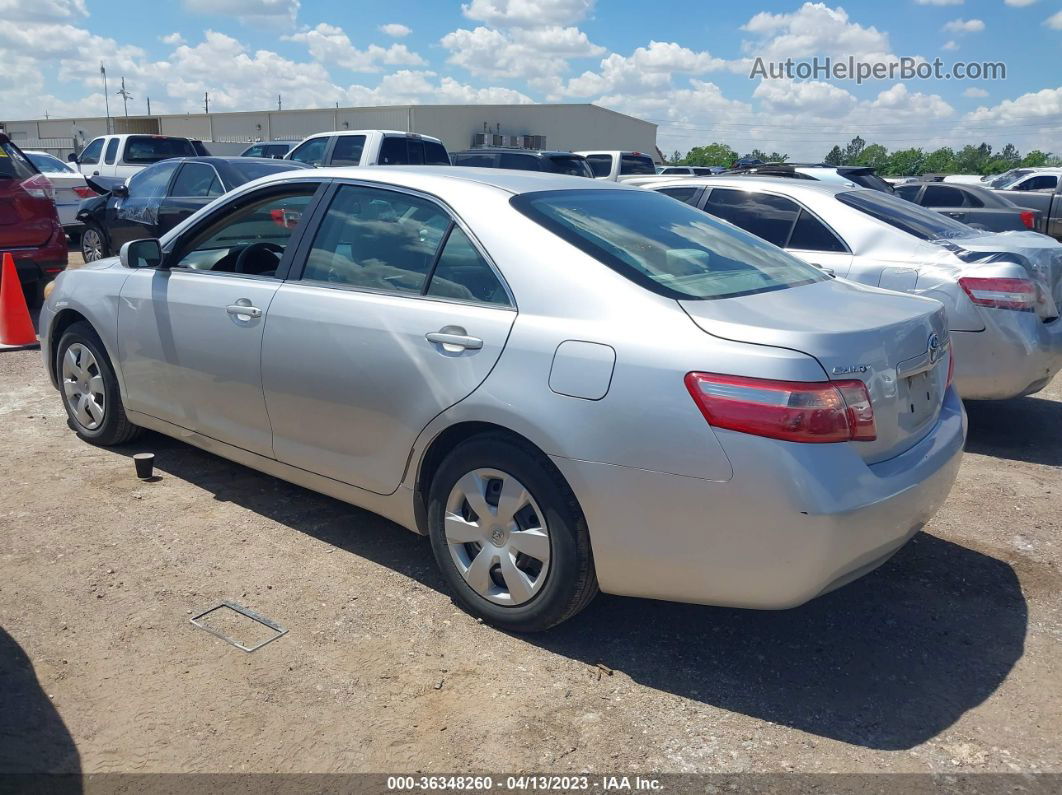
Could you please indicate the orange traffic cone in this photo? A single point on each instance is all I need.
(16, 327)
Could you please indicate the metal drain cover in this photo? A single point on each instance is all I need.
(242, 627)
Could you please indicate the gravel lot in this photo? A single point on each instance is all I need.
(946, 659)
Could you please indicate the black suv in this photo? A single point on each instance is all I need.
(524, 160)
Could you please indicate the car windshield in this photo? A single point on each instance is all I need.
(49, 163)
(152, 149)
(902, 214)
(13, 165)
(664, 245)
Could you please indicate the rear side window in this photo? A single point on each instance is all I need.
(687, 195)
(347, 151)
(663, 245)
(152, 149)
(810, 234)
(311, 152)
(564, 164)
(601, 165)
(905, 216)
(112, 151)
(637, 164)
(91, 154)
(463, 273)
(197, 180)
(394, 151)
(435, 154)
(768, 217)
(475, 159)
(14, 164)
(518, 161)
(942, 196)
(909, 192)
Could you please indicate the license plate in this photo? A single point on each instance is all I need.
(922, 396)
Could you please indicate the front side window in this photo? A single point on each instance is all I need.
(197, 180)
(112, 151)
(347, 151)
(250, 239)
(601, 165)
(905, 216)
(377, 239)
(91, 154)
(141, 149)
(1041, 182)
(312, 152)
(665, 246)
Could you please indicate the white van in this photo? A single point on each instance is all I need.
(124, 155)
(370, 148)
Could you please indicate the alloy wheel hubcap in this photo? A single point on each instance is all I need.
(497, 537)
(91, 246)
(83, 386)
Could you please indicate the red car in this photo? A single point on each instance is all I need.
(29, 224)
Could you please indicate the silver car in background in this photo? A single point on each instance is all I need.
(567, 384)
(1002, 291)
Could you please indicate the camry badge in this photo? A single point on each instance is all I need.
(852, 368)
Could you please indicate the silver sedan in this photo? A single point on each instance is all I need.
(1003, 292)
(568, 385)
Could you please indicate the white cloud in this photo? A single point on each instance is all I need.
(172, 39)
(1054, 21)
(975, 93)
(330, 45)
(395, 29)
(41, 10)
(254, 12)
(646, 70)
(1019, 3)
(1029, 108)
(941, 2)
(813, 29)
(950, 45)
(527, 13)
(411, 87)
(961, 26)
(532, 53)
(810, 97)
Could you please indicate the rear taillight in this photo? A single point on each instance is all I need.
(1028, 218)
(796, 411)
(1019, 294)
(85, 192)
(39, 187)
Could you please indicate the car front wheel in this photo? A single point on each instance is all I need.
(93, 244)
(509, 535)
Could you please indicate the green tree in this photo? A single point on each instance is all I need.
(773, 157)
(676, 158)
(940, 161)
(876, 156)
(1035, 159)
(905, 163)
(714, 154)
(835, 157)
(853, 150)
(973, 159)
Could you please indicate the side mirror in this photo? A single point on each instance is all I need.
(71, 158)
(145, 253)
(120, 190)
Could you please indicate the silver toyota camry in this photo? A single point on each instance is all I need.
(568, 385)
(1003, 292)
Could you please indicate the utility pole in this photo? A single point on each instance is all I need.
(206, 102)
(279, 107)
(106, 97)
(125, 95)
(149, 106)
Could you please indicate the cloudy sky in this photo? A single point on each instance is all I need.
(683, 64)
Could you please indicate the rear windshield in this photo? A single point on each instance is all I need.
(400, 151)
(13, 164)
(563, 164)
(637, 164)
(601, 165)
(664, 245)
(152, 149)
(867, 179)
(912, 219)
(50, 164)
(251, 169)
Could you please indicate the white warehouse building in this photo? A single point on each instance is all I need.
(545, 126)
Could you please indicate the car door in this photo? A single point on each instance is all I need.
(135, 215)
(194, 186)
(784, 222)
(191, 336)
(89, 160)
(395, 316)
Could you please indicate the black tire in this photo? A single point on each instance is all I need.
(570, 584)
(115, 428)
(90, 233)
(33, 292)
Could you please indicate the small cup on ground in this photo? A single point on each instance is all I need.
(145, 465)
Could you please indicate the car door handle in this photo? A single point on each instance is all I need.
(241, 309)
(445, 337)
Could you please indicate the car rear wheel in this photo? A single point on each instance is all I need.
(90, 388)
(509, 535)
(93, 243)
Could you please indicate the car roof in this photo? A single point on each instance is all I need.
(516, 151)
(403, 133)
(430, 178)
(783, 184)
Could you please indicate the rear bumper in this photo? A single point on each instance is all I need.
(794, 522)
(1018, 355)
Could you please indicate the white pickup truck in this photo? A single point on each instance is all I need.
(119, 156)
(370, 148)
(619, 166)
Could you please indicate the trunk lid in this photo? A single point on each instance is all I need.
(880, 337)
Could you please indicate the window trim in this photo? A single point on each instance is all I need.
(844, 243)
(294, 274)
(173, 182)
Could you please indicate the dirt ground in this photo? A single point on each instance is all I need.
(947, 659)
